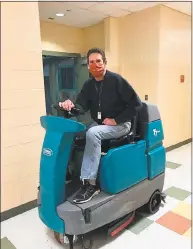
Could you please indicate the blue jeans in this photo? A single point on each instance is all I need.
(92, 153)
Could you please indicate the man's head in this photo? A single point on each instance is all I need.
(96, 62)
(96, 55)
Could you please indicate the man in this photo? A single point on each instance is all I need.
(112, 103)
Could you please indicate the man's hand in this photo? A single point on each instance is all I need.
(109, 121)
(67, 105)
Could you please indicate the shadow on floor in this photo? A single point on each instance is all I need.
(100, 237)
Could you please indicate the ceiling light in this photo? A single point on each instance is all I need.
(59, 14)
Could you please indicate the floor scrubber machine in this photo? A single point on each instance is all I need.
(131, 175)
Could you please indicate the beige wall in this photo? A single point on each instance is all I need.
(155, 46)
(139, 51)
(94, 36)
(174, 98)
(22, 103)
(112, 44)
(61, 38)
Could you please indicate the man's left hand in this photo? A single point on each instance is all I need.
(109, 121)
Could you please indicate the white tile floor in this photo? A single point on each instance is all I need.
(26, 231)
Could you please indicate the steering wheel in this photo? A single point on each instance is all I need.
(72, 113)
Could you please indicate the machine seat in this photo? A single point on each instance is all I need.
(114, 142)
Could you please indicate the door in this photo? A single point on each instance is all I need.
(82, 75)
(65, 79)
(47, 89)
(81, 72)
(71, 75)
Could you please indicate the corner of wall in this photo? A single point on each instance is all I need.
(160, 7)
(94, 36)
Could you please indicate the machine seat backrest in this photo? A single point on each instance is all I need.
(148, 113)
(149, 125)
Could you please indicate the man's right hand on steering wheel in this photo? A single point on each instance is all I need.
(67, 105)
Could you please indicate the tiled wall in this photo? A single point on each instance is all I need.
(22, 103)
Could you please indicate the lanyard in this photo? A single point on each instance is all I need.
(100, 92)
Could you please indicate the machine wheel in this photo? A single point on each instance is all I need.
(62, 239)
(154, 203)
(86, 242)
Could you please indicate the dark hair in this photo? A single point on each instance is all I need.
(98, 51)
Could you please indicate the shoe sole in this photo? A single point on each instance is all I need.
(68, 181)
(81, 202)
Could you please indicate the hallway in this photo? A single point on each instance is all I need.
(169, 228)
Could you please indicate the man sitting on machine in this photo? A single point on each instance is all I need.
(112, 103)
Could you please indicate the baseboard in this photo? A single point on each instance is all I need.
(32, 204)
(18, 210)
(175, 146)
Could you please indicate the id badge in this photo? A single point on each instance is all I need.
(99, 115)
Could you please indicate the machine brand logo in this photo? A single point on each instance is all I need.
(47, 152)
(155, 132)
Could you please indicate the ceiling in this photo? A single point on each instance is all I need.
(84, 14)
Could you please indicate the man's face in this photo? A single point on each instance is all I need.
(95, 59)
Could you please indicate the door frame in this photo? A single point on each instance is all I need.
(60, 54)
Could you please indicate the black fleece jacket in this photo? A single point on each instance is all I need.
(118, 98)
